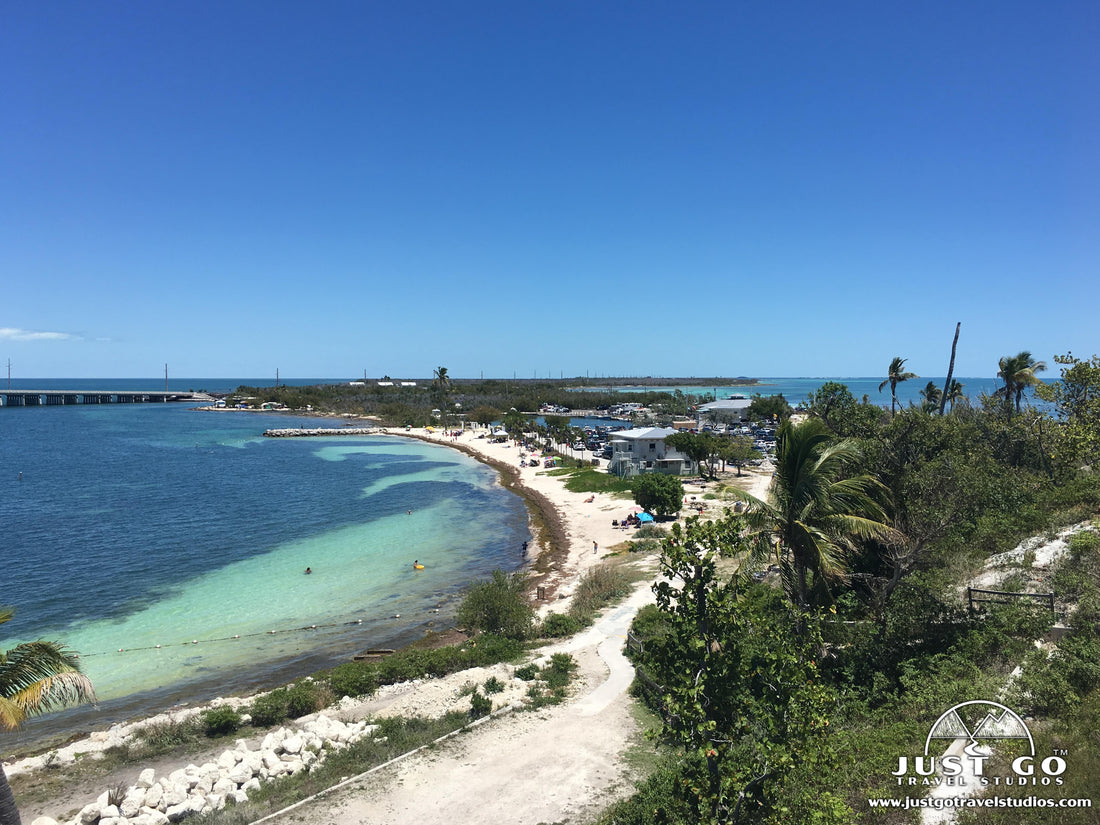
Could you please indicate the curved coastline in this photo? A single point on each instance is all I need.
(549, 554)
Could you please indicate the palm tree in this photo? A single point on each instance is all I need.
(816, 509)
(931, 395)
(35, 678)
(954, 393)
(894, 376)
(441, 379)
(1018, 373)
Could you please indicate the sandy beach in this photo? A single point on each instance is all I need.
(560, 764)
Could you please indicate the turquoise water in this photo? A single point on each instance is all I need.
(795, 390)
(139, 526)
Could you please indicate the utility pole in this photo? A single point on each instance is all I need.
(166, 378)
(276, 377)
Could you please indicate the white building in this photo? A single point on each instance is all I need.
(644, 451)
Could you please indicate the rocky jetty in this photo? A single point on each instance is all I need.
(309, 432)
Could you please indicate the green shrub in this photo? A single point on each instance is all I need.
(493, 685)
(1084, 541)
(559, 672)
(499, 606)
(269, 710)
(528, 672)
(220, 721)
(650, 531)
(559, 625)
(307, 697)
(353, 679)
(480, 705)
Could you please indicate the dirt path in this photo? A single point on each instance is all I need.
(560, 764)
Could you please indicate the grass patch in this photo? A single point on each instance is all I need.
(590, 480)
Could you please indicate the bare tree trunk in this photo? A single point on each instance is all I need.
(950, 369)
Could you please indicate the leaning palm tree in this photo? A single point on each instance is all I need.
(816, 510)
(931, 395)
(1018, 373)
(894, 376)
(35, 677)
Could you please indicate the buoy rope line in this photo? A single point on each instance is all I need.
(232, 638)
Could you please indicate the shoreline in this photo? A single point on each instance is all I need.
(547, 561)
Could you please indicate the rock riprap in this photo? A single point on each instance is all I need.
(198, 789)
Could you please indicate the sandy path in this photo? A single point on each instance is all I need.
(560, 764)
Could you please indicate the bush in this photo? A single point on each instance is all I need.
(598, 586)
(353, 679)
(494, 685)
(480, 705)
(220, 721)
(558, 625)
(528, 672)
(499, 606)
(307, 697)
(269, 710)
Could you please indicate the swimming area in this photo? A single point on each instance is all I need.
(166, 544)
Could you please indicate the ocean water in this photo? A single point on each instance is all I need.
(796, 390)
(168, 546)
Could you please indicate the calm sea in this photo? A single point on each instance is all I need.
(168, 546)
(796, 390)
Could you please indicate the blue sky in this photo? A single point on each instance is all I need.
(610, 188)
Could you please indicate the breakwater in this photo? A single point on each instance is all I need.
(308, 432)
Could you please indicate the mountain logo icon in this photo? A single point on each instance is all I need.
(979, 721)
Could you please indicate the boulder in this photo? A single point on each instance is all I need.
(154, 796)
(252, 784)
(239, 774)
(238, 797)
(146, 778)
(44, 820)
(228, 759)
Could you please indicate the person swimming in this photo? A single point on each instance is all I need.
(309, 570)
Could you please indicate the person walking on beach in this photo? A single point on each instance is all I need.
(595, 548)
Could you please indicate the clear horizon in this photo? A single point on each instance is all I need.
(235, 188)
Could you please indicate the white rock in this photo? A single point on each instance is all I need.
(239, 774)
(109, 812)
(238, 797)
(292, 744)
(271, 760)
(228, 759)
(224, 786)
(154, 796)
(242, 745)
(294, 766)
(132, 804)
(176, 795)
(146, 778)
(44, 820)
(215, 802)
(252, 784)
